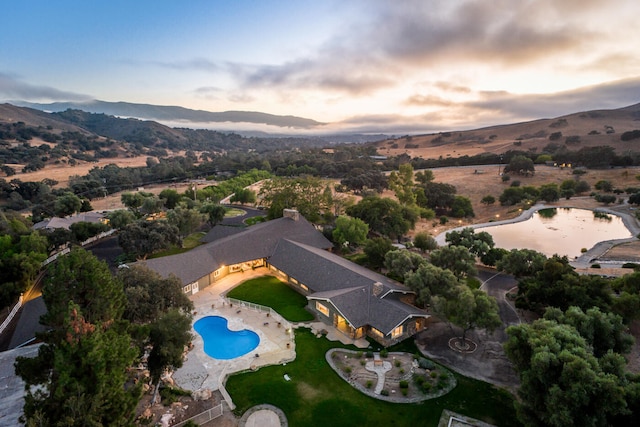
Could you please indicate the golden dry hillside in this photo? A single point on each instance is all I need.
(593, 128)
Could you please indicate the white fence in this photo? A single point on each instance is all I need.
(98, 236)
(86, 242)
(204, 417)
(11, 315)
(257, 307)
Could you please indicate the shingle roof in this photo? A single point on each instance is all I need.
(221, 231)
(257, 241)
(297, 248)
(361, 307)
(66, 222)
(322, 271)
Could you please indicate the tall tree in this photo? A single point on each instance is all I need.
(521, 165)
(561, 382)
(522, 262)
(384, 216)
(428, 281)
(306, 194)
(350, 231)
(142, 238)
(80, 380)
(168, 336)
(149, 295)
(214, 211)
(82, 278)
(185, 220)
(602, 331)
(399, 262)
(424, 241)
(401, 183)
(478, 244)
(471, 309)
(120, 218)
(67, 204)
(458, 259)
(376, 249)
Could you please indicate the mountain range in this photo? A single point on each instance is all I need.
(173, 114)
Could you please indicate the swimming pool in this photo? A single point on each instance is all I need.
(220, 342)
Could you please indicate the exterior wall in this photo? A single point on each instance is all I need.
(214, 276)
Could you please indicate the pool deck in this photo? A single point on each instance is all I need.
(277, 344)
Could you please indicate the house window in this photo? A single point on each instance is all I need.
(216, 273)
(294, 281)
(186, 289)
(397, 332)
(304, 287)
(322, 308)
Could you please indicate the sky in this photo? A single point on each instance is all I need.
(357, 65)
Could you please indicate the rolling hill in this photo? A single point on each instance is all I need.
(574, 131)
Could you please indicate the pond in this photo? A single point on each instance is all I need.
(562, 231)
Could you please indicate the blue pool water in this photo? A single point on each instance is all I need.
(220, 342)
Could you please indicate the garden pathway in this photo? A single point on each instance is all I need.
(380, 368)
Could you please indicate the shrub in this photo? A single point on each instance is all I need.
(347, 369)
(404, 391)
(359, 354)
(583, 250)
(595, 265)
(426, 386)
(419, 379)
(369, 384)
(443, 220)
(401, 370)
(426, 363)
(385, 392)
(369, 353)
(363, 362)
(433, 374)
(397, 363)
(630, 265)
(404, 384)
(384, 353)
(171, 394)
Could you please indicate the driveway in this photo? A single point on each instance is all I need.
(488, 362)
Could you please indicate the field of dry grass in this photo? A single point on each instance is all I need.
(475, 186)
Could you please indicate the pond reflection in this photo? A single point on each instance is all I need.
(562, 231)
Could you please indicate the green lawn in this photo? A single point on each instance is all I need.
(188, 243)
(316, 396)
(270, 291)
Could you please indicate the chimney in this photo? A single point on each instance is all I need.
(291, 213)
(377, 289)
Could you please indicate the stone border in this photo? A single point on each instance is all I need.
(265, 406)
(392, 399)
(453, 345)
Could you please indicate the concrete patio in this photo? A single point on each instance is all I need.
(277, 345)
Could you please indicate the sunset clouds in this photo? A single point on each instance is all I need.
(407, 66)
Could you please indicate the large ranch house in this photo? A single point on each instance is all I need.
(353, 299)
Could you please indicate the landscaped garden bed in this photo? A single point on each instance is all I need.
(407, 378)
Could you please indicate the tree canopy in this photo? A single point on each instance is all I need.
(142, 238)
(350, 231)
(384, 216)
(562, 382)
(457, 259)
(149, 295)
